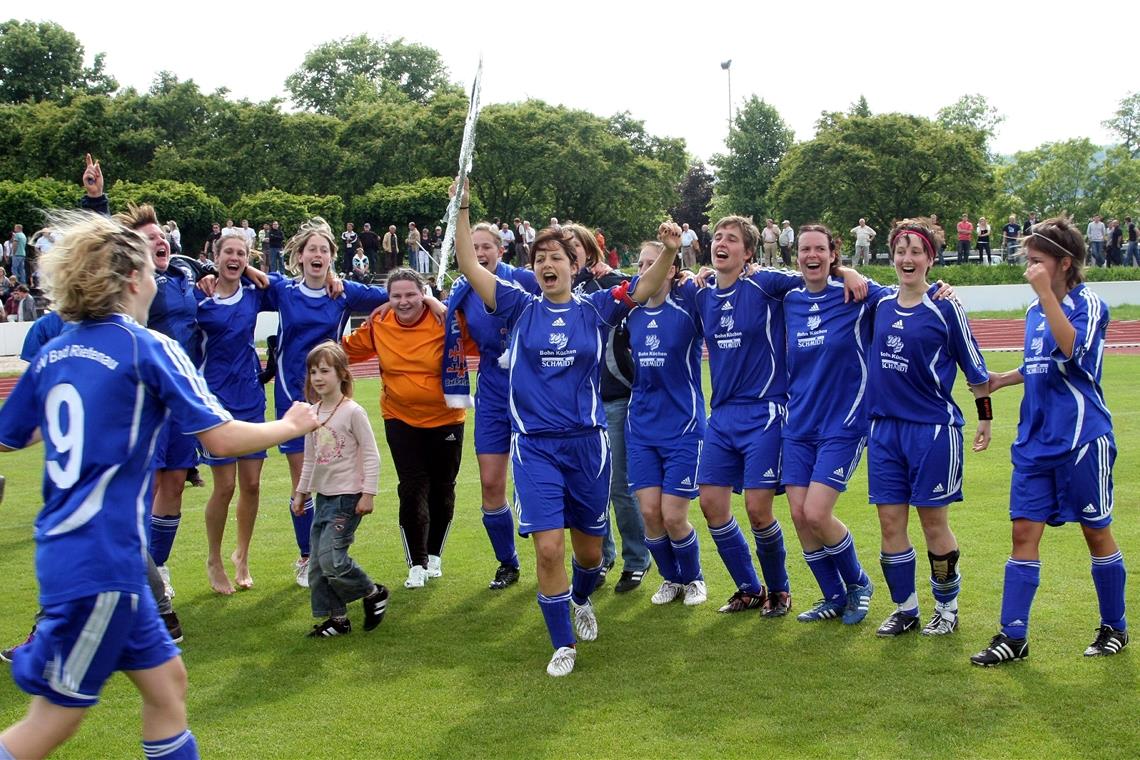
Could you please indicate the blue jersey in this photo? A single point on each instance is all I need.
(915, 356)
(667, 401)
(229, 360)
(1063, 407)
(309, 317)
(101, 393)
(555, 358)
(43, 329)
(490, 331)
(827, 361)
(174, 310)
(744, 332)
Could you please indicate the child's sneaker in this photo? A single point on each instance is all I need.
(375, 605)
(331, 627)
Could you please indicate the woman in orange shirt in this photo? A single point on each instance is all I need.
(424, 435)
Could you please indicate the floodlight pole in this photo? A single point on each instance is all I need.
(727, 66)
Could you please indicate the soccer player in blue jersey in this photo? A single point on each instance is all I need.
(492, 419)
(559, 449)
(743, 322)
(665, 427)
(914, 455)
(826, 429)
(1064, 450)
(229, 362)
(100, 395)
(310, 314)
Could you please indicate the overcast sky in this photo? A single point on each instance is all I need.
(1054, 71)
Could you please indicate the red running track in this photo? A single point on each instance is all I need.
(992, 335)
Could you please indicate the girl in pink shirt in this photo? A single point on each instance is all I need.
(342, 465)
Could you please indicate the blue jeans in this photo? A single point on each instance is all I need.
(334, 577)
(634, 553)
(276, 262)
(1132, 255)
(19, 269)
(1096, 248)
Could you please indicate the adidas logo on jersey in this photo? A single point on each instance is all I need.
(687, 481)
(898, 325)
(1089, 510)
(839, 471)
(1041, 327)
(652, 324)
(939, 489)
(450, 437)
(769, 473)
(558, 323)
(727, 306)
(814, 307)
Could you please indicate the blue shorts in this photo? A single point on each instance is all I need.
(672, 466)
(209, 459)
(174, 449)
(914, 463)
(831, 462)
(492, 420)
(281, 404)
(562, 482)
(1077, 490)
(742, 446)
(80, 644)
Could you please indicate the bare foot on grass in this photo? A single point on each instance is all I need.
(242, 579)
(219, 581)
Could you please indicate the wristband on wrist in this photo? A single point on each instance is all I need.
(985, 408)
(464, 208)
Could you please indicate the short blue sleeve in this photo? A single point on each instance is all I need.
(169, 374)
(364, 298)
(510, 300)
(21, 413)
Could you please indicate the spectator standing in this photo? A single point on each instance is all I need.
(276, 241)
(230, 229)
(864, 234)
(20, 253)
(349, 238)
(787, 240)
(939, 238)
(1029, 223)
(263, 237)
(370, 242)
(689, 239)
(1009, 237)
(1132, 256)
(520, 243)
(965, 238)
(984, 240)
(705, 237)
(249, 232)
(770, 236)
(1115, 243)
(414, 253)
(211, 246)
(391, 247)
(21, 307)
(508, 242)
(1096, 234)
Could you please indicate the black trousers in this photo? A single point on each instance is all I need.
(427, 463)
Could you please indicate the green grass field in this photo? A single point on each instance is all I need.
(457, 671)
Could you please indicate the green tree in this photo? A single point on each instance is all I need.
(288, 209)
(185, 202)
(881, 167)
(860, 107)
(26, 202)
(1126, 123)
(337, 73)
(1054, 178)
(972, 115)
(423, 202)
(696, 191)
(757, 143)
(44, 61)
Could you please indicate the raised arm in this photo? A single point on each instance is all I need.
(669, 233)
(1064, 334)
(481, 281)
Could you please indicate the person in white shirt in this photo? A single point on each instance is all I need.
(787, 239)
(688, 253)
(864, 234)
(1095, 234)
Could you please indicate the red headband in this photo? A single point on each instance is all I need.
(908, 231)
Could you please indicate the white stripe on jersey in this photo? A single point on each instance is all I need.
(964, 327)
(136, 417)
(694, 383)
(1093, 307)
(862, 370)
(938, 384)
(1080, 399)
(767, 335)
(68, 676)
(186, 368)
(605, 452)
(91, 506)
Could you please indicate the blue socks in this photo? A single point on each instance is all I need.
(688, 554)
(1021, 580)
(733, 550)
(180, 747)
(898, 569)
(822, 566)
(662, 550)
(847, 562)
(583, 581)
(556, 613)
(163, 529)
(501, 530)
(302, 526)
(773, 558)
(1109, 576)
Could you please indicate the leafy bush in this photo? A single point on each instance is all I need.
(186, 203)
(25, 202)
(423, 202)
(288, 209)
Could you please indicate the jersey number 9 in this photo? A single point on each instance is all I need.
(65, 443)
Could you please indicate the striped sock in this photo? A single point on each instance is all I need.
(180, 747)
(501, 530)
(688, 554)
(662, 551)
(822, 566)
(1021, 580)
(733, 550)
(898, 569)
(583, 581)
(1109, 577)
(163, 529)
(847, 562)
(773, 557)
(556, 613)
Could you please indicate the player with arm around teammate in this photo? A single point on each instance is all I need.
(1064, 450)
(559, 448)
(101, 394)
(915, 445)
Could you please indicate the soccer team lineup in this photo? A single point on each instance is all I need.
(589, 391)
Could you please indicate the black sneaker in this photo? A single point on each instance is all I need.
(7, 654)
(602, 575)
(897, 624)
(506, 575)
(629, 580)
(375, 605)
(173, 627)
(744, 600)
(1108, 641)
(777, 604)
(1001, 649)
(331, 627)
